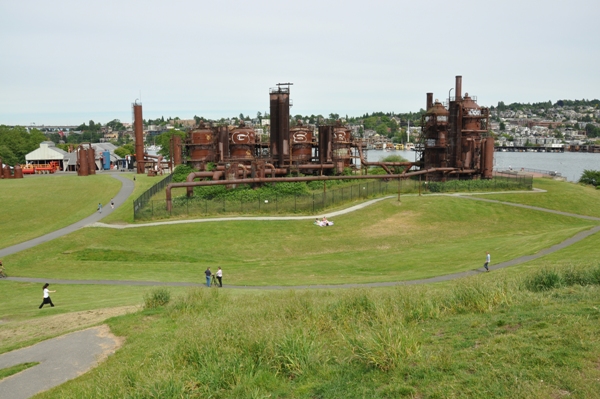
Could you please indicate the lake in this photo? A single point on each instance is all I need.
(569, 164)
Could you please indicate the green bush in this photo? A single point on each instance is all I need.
(590, 177)
(181, 172)
(157, 298)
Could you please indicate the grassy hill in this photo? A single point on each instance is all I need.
(527, 331)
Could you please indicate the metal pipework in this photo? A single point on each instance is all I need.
(293, 180)
(384, 165)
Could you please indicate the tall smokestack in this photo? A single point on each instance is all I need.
(429, 101)
(458, 88)
(138, 126)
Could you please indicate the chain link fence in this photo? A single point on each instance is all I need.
(317, 201)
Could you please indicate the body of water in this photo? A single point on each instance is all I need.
(569, 164)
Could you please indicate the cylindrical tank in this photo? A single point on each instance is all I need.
(488, 164)
(471, 114)
(201, 144)
(83, 168)
(436, 135)
(342, 153)
(242, 141)
(301, 138)
(18, 172)
(91, 153)
(106, 160)
(325, 141)
(176, 149)
(280, 124)
(6, 172)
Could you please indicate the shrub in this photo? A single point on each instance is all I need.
(590, 177)
(181, 172)
(156, 298)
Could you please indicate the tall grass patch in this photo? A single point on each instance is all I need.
(547, 279)
(421, 341)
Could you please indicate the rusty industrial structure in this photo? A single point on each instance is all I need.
(6, 173)
(453, 145)
(455, 137)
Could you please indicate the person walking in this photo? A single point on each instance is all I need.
(487, 262)
(220, 276)
(208, 274)
(46, 296)
(99, 207)
(112, 203)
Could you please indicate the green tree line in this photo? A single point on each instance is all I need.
(16, 142)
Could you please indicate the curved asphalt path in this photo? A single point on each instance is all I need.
(60, 359)
(66, 357)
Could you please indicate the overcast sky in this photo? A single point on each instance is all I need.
(69, 61)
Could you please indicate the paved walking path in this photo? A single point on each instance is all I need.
(60, 360)
(120, 198)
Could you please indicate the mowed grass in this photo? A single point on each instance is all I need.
(422, 237)
(560, 196)
(37, 205)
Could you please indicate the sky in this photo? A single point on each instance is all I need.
(66, 62)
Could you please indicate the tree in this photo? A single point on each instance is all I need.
(115, 125)
(125, 150)
(164, 140)
(17, 142)
(502, 126)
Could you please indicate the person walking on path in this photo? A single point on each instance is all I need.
(47, 296)
(208, 274)
(112, 203)
(220, 276)
(99, 207)
(487, 262)
(2, 274)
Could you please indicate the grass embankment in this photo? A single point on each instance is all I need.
(486, 336)
(480, 337)
(37, 205)
(560, 196)
(423, 237)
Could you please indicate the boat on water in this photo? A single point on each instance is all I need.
(409, 147)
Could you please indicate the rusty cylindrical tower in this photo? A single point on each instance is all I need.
(138, 128)
(280, 123)
(82, 163)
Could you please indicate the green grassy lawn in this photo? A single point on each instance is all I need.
(485, 336)
(560, 196)
(37, 205)
(422, 237)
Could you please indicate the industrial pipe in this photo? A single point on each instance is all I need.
(293, 180)
(191, 177)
